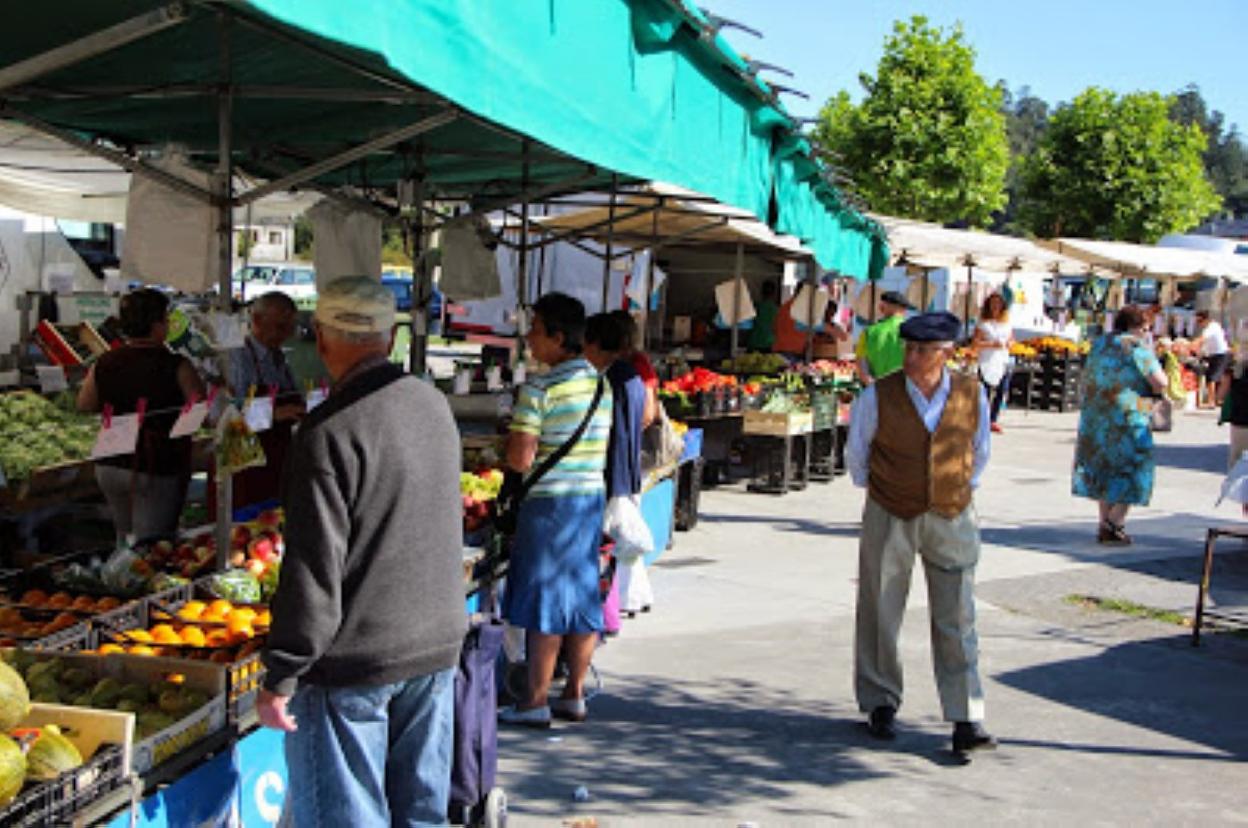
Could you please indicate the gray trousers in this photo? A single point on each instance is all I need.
(950, 550)
(143, 505)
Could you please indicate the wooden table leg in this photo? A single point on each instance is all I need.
(1201, 594)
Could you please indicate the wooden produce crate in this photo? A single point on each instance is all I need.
(774, 424)
(184, 734)
(103, 737)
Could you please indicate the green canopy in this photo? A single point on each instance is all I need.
(482, 100)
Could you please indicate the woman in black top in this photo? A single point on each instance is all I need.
(144, 490)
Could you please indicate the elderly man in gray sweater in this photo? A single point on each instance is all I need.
(369, 614)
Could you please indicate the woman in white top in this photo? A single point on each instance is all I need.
(993, 336)
(1217, 355)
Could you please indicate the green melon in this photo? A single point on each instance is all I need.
(49, 754)
(14, 698)
(12, 769)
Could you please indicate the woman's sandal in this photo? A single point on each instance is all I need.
(1111, 534)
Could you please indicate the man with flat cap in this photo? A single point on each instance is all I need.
(369, 614)
(879, 348)
(918, 442)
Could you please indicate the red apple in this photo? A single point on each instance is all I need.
(203, 553)
(256, 567)
(240, 536)
(262, 549)
(237, 558)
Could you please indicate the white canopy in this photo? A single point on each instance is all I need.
(1149, 261)
(932, 246)
(47, 177)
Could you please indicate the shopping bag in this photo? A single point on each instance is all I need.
(633, 580)
(623, 523)
(1162, 417)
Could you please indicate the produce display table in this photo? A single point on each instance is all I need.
(658, 502)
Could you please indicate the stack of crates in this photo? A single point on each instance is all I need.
(1058, 384)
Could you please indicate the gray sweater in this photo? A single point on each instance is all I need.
(372, 589)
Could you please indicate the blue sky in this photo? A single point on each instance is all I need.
(1058, 47)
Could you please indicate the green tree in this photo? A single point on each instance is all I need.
(1116, 167)
(303, 237)
(1026, 118)
(928, 140)
(1225, 158)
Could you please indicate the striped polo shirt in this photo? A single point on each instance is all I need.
(550, 407)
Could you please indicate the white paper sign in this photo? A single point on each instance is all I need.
(316, 396)
(51, 378)
(10, 378)
(494, 378)
(121, 436)
(463, 383)
(725, 303)
(259, 414)
(189, 420)
(800, 308)
(518, 374)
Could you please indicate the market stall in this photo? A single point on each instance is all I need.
(417, 127)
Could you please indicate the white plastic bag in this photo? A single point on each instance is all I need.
(623, 523)
(1235, 487)
(632, 579)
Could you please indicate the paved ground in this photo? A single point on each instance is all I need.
(731, 703)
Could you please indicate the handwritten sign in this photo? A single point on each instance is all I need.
(119, 434)
(259, 414)
(189, 421)
(316, 396)
(51, 378)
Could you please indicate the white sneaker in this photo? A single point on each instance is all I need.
(572, 710)
(536, 717)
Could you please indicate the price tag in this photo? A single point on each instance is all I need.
(518, 374)
(462, 384)
(259, 414)
(494, 378)
(119, 434)
(189, 421)
(317, 396)
(51, 378)
(8, 378)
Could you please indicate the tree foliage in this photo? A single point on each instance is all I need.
(928, 140)
(1116, 167)
(1225, 159)
(1026, 119)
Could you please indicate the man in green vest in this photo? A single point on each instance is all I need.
(880, 348)
(918, 442)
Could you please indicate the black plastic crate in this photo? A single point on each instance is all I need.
(823, 454)
(55, 802)
(688, 494)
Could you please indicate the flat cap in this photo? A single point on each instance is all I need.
(356, 304)
(941, 326)
(892, 297)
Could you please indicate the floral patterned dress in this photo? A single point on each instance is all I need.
(1114, 452)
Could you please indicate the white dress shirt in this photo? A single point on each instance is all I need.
(866, 419)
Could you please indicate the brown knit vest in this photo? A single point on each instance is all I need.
(913, 471)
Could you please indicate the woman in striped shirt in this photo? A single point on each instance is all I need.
(552, 586)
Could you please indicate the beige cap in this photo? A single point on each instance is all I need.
(356, 304)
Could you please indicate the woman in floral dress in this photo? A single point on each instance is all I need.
(1114, 452)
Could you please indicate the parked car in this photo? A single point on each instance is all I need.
(401, 284)
(297, 281)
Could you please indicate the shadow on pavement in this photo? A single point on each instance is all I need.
(1159, 685)
(664, 750)
(1204, 457)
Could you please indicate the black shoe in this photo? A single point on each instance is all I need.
(969, 736)
(881, 722)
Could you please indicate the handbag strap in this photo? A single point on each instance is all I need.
(561, 452)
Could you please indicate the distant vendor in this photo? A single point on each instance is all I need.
(880, 349)
(763, 332)
(261, 364)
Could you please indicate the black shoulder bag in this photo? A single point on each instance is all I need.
(516, 487)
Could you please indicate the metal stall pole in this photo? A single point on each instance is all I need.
(418, 327)
(654, 252)
(810, 311)
(737, 282)
(224, 201)
(927, 287)
(522, 272)
(606, 263)
(970, 281)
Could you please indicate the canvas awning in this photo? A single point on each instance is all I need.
(658, 215)
(478, 102)
(1149, 261)
(931, 246)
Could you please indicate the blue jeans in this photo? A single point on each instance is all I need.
(372, 756)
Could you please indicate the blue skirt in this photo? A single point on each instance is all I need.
(552, 583)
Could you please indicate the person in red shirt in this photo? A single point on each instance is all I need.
(642, 365)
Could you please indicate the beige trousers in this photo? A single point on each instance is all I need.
(886, 551)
